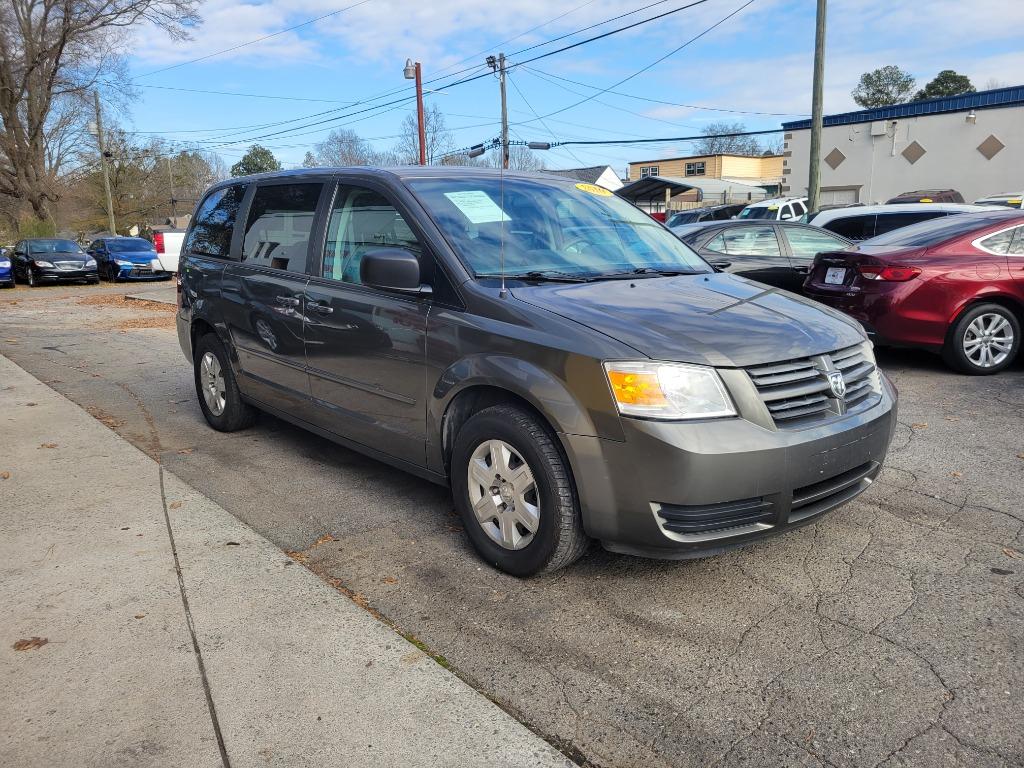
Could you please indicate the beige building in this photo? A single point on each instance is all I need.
(973, 143)
(759, 171)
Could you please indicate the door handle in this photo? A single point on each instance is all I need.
(287, 301)
(319, 308)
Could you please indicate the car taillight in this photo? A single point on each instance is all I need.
(158, 241)
(889, 274)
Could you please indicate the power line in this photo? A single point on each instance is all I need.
(546, 128)
(236, 93)
(251, 42)
(705, 108)
(628, 142)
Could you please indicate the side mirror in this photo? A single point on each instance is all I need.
(785, 217)
(19, 253)
(392, 269)
(719, 265)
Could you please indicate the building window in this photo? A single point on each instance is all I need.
(695, 169)
(649, 170)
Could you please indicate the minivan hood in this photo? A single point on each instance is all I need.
(717, 319)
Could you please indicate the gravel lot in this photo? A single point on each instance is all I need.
(891, 633)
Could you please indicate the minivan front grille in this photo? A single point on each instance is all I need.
(798, 392)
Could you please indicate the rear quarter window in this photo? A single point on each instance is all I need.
(214, 223)
(887, 222)
(853, 227)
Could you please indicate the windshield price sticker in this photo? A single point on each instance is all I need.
(477, 207)
(594, 190)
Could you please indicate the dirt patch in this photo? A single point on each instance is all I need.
(107, 419)
(135, 323)
(123, 302)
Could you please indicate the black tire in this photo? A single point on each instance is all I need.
(559, 539)
(31, 279)
(237, 414)
(111, 272)
(953, 352)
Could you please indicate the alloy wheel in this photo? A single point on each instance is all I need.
(988, 340)
(503, 494)
(211, 379)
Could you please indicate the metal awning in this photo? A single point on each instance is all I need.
(652, 189)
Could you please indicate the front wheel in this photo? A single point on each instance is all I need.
(31, 279)
(217, 389)
(984, 340)
(512, 486)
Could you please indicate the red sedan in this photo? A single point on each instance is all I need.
(954, 285)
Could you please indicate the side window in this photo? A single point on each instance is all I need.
(280, 221)
(362, 220)
(808, 243)
(786, 213)
(214, 223)
(750, 241)
(887, 222)
(1017, 246)
(799, 209)
(853, 227)
(999, 242)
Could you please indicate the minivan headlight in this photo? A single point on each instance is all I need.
(668, 391)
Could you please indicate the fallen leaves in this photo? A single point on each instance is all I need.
(47, 445)
(5, 475)
(919, 425)
(957, 474)
(30, 404)
(389, 580)
(186, 451)
(1020, 455)
(30, 644)
(232, 544)
(140, 615)
(323, 540)
(1010, 552)
(11, 341)
(175, 505)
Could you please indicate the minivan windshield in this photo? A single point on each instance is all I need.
(550, 229)
(53, 246)
(129, 244)
(933, 231)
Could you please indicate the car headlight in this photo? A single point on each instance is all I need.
(668, 391)
(122, 263)
(41, 263)
(90, 262)
(5, 263)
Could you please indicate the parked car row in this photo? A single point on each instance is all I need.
(40, 260)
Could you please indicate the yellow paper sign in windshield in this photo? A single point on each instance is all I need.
(594, 190)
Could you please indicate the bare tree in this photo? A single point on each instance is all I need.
(438, 137)
(718, 142)
(52, 54)
(344, 146)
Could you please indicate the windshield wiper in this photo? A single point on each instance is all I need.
(544, 275)
(625, 274)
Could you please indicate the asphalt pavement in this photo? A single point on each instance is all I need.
(887, 634)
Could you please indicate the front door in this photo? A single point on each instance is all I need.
(263, 294)
(366, 347)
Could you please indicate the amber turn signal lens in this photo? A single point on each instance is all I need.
(634, 388)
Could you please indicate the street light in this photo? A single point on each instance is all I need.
(412, 72)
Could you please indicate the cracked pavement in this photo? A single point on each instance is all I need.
(890, 633)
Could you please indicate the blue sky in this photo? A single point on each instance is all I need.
(757, 64)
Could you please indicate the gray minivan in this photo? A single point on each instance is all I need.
(569, 367)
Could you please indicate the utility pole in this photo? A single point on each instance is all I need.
(103, 163)
(818, 86)
(413, 71)
(498, 65)
(170, 179)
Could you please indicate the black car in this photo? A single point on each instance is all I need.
(127, 258)
(570, 368)
(776, 253)
(710, 213)
(51, 260)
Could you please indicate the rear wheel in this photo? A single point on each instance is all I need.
(217, 389)
(512, 486)
(984, 340)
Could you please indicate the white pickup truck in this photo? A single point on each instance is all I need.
(168, 247)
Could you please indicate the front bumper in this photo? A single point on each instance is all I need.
(142, 273)
(46, 274)
(681, 490)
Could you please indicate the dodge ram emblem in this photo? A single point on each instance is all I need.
(837, 382)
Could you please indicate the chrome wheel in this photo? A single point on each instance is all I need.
(211, 379)
(988, 340)
(503, 494)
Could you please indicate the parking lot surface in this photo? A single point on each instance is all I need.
(890, 633)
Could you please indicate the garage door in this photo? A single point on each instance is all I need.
(838, 196)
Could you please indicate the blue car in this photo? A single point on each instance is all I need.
(6, 270)
(127, 258)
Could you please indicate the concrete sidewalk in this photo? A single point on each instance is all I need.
(176, 636)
